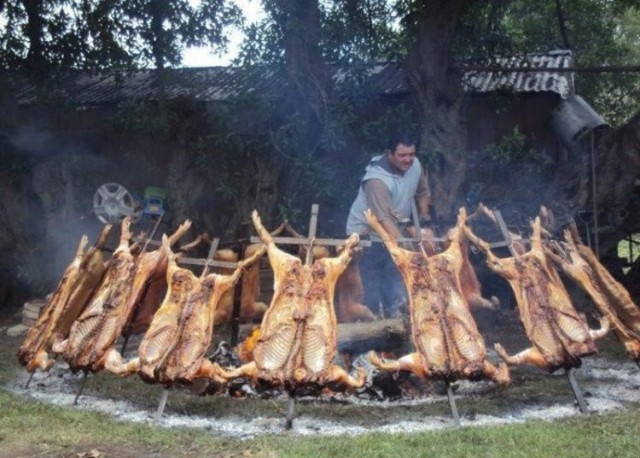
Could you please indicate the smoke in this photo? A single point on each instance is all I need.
(53, 179)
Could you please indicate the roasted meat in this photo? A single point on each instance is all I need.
(93, 332)
(154, 269)
(444, 333)
(559, 335)
(611, 298)
(350, 294)
(297, 341)
(67, 302)
(175, 345)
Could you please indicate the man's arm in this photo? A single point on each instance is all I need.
(379, 201)
(423, 198)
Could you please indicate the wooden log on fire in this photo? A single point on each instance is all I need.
(357, 338)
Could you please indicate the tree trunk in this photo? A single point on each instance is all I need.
(36, 63)
(439, 94)
(300, 22)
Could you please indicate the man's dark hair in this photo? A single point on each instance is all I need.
(401, 137)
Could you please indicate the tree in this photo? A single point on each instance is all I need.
(98, 34)
(439, 95)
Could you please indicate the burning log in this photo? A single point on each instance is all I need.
(352, 338)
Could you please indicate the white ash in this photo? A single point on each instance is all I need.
(607, 386)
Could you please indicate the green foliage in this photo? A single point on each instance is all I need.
(107, 34)
(511, 147)
(600, 33)
(357, 31)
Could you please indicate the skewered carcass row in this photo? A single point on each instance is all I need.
(94, 334)
(297, 338)
(66, 303)
(174, 347)
(444, 333)
(560, 337)
(611, 298)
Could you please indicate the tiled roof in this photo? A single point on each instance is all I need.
(214, 84)
(542, 78)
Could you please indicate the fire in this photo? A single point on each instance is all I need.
(244, 350)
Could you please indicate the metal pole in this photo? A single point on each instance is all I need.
(162, 403)
(237, 303)
(452, 404)
(313, 225)
(26, 387)
(291, 407)
(577, 393)
(79, 392)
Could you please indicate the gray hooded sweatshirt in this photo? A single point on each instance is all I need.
(402, 188)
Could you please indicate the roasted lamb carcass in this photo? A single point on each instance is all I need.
(559, 336)
(297, 340)
(67, 302)
(250, 306)
(175, 345)
(444, 333)
(91, 332)
(139, 298)
(350, 294)
(611, 298)
(151, 274)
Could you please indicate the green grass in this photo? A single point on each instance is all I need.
(62, 432)
(629, 251)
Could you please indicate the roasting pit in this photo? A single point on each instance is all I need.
(609, 385)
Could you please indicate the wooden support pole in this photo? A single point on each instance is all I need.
(237, 304)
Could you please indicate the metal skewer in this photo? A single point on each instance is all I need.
(575, 388)
(127, 334)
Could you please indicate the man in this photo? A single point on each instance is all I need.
(391, 182)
